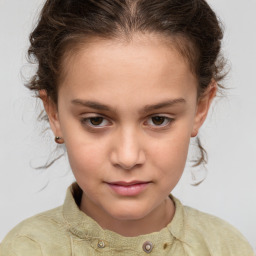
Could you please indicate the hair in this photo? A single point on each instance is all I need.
(191, 26)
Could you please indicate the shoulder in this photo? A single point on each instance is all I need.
(217, 234)
(29, 235)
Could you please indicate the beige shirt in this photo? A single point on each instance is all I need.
(67, 231)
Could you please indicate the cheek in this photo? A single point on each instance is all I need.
(85, 151)
(85, 157)
(170, 154)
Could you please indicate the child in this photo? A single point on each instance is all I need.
(125, 85)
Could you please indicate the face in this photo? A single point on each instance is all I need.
(126, 113)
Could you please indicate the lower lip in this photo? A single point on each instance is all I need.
(131, 190)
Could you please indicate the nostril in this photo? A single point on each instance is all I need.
(127, 167)
(127, 153)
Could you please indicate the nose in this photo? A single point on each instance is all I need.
(127, 151)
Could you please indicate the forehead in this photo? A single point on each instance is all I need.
(146, 62)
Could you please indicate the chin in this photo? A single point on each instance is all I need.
(129, 213)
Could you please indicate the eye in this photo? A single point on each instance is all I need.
(160, 121)
(95, 122)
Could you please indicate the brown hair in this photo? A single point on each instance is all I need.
(190, 25)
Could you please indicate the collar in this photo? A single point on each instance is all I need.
(84, 227)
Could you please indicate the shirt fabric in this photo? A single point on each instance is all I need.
(67, 231)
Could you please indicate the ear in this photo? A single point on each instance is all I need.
(203, 105)
(52, 112)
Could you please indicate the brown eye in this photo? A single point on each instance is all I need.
(158, 120)
(96, 120)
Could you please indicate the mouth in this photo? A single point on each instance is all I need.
(132, 188)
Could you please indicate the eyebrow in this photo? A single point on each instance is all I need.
(145, 109)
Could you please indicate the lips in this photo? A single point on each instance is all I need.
(132, 188)
(126, 184)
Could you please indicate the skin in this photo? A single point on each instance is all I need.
(128, 144)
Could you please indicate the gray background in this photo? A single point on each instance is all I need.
(229, 134)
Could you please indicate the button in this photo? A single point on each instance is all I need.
(148, 247)
(101, 244)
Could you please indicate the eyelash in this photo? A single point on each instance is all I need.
(85, 121)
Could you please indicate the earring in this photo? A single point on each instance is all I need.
(59, 140)
(194, 134)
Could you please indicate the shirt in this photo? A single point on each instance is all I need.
(67, 231)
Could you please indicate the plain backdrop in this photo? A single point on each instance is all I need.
(229, 134)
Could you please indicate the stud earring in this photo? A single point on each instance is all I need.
(59, 140)
(194, 134)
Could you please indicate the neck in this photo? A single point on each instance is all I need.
(153, 222)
